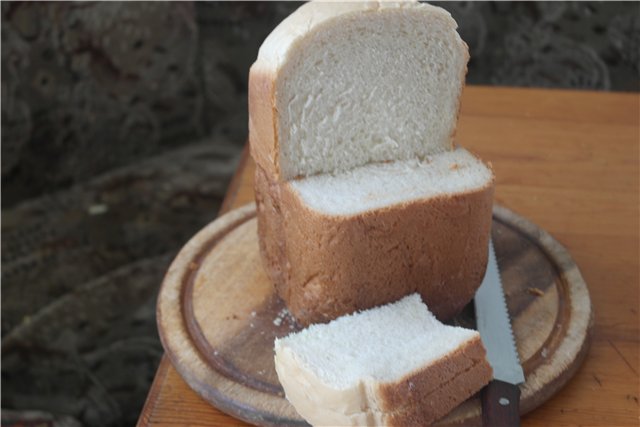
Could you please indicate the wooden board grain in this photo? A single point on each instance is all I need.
(218, 316)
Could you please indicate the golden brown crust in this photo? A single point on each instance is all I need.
(427, 395)
(437, 404)
(263, 132)
(270, 229)
(325, 266)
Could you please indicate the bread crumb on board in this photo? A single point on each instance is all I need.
(283, 315)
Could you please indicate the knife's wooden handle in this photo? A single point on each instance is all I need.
(500, 405)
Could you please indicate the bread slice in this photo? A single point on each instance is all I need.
(334, 244)
(394, 365)
(341, 85)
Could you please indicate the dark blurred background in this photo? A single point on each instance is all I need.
(121, 126)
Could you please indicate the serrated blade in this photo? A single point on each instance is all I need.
(494, 325)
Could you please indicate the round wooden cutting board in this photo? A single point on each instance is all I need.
(218, 315)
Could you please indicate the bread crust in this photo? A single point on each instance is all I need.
(324, 266)
(427, 395)
(263, 128)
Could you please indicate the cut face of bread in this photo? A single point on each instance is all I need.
(380, 185)
(391, 365)
(341, 85)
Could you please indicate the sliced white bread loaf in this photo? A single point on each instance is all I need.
(340, 85)
(361, 199)
(394, 365)
(336, 244)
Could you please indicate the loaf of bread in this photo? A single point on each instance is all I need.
(362, 197)
(394, 365)
(334, 244)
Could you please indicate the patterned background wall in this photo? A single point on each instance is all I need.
(121, 125)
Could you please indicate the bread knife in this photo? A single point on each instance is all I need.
(501, 397)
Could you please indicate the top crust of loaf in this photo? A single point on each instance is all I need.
(340, 85)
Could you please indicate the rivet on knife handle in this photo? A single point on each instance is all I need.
(500, 404)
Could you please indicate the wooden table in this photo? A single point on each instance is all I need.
(568, 161)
